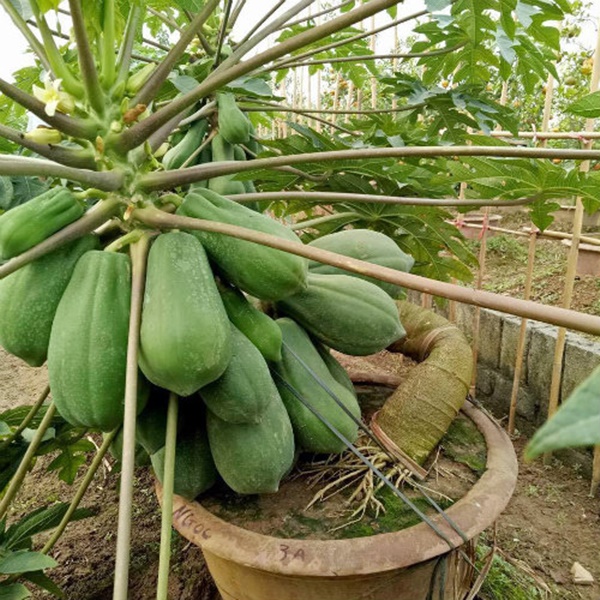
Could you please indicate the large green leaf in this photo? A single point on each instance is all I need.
(13, 591)
(588, 106)
(24, 561)
(577, 422)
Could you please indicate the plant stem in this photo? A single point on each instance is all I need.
(95, 217)
(353, 38)
(548, 314)
(108, 45)
(159, 76)
(137, 134)
(222, 30)
(169, 179)
(34, 43)
(236, 12)
(78, 159)
(260, 23)
(107, 181)
(17, 479)
(168, 479)
(128, 239)
(81, 490)
(89, 74)
(139, 252)
(325, 219)
(364, 57)
(124, 56)
(273, 107)
(68, 125)
(332, 197)
(25, 422)
(326, 11)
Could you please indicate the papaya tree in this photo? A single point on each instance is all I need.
(140, 195)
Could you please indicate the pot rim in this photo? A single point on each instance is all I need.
(473, 513)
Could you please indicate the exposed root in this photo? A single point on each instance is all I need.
(338, 473)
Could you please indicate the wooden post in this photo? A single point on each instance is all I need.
(373, 79)
(570, 279)
(395, 64)
(528, 278)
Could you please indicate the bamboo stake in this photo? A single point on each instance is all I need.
(373, 79)
(138, 261)
(550, 135)
(528, 280)
(349, 100)
(319, 125)
(395, 65)
(522, 336)
(595, 472)
(452, 305)
(559, 350)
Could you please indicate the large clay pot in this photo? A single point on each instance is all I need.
(405, 565)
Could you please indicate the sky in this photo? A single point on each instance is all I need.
(14, 47)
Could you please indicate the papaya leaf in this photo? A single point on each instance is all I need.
(43, 581)
(13, 591)
(19, 534)
(577, 422)
(24, 561)
(70, 459)
(588, 106)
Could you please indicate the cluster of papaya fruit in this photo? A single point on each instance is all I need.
(254, 389)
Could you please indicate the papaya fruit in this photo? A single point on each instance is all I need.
(178, 154)
(345, 313)
(234, 126)
(261, 271)
(302, 372)
(258, 327)
(29, 224)
(252, 458)
(185, 336)
(367, 245)
(151, 423)
(226, 185)
(194, 466)
(87, 353)
(29, 299)
(245, 390)
(335, 368)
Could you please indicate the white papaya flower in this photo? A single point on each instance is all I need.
(53, 97)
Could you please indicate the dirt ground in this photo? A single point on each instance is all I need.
(550, 523)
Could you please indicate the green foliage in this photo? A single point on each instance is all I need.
(577, 422)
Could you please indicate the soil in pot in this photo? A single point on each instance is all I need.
(287, 514)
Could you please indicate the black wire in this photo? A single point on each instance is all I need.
(366, 461)
(374, 439)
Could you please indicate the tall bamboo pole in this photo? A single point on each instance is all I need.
(570, 279)
(528, 277)
(319, 125)
(395, 65)
(373, 79)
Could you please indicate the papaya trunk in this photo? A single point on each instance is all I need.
(419, 412)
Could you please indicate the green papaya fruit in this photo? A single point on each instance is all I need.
(179, 154)
(335, 368)
(30, 296)
(234, 126)
(29, 224)
(252, 458)
(194, 466)
(185, 336)
(345, 313)
(151, 423)
(245, 390)
(303, 372)
(258, 327)
(87, 353)
(226, 185)
(367, 245)
(261, 271)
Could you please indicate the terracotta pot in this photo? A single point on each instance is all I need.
(404, 565)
